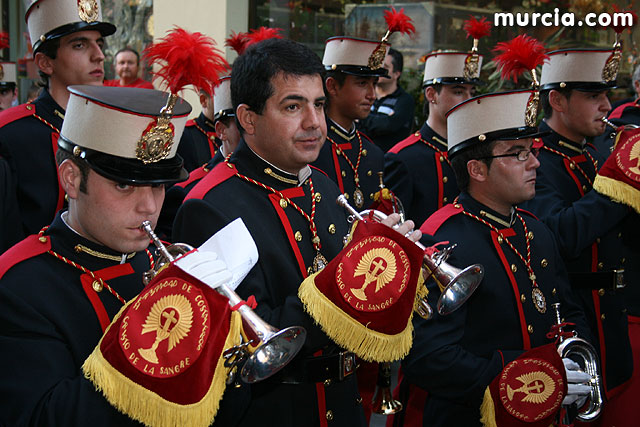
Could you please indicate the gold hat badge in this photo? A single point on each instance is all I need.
(397, 21)
(476, 29)
(183, 59)
(518, 56)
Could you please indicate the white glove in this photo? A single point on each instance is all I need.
(206, 267)
(577, 390)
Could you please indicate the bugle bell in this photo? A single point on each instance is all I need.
(267, 350)
(383, 402)
(456, 285)
(584, 354)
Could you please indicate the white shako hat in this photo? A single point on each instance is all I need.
(122, 135)
(52, 19)
(8, 74)
(351, 55)
(582, 69)
(222, 105)
(450, 68)
(490, 117)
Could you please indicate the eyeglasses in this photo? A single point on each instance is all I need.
(522, 155)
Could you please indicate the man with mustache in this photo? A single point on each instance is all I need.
(291, 212)
(348, 156)
(596, 236)
(456, 357)
(67, 43)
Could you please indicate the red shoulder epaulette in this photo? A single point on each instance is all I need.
(222, 172)
(319, 170)
(190, 122)
(194, 175)
(433, 223)
(410, 140)
(617, 113)
(526, 212)
(364, 135)
(16, 113)
(28, 248)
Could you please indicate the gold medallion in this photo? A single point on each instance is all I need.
(376, 59)
(155, 144)
(319, 262)
(358, 198)
(539, 300)
(471, 67)
(88, 10)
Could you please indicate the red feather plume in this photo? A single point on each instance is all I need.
(187, 59)
(4, 40)
(263, 33)
(620, 28)
(476, 29)
(397, 21)
(519, 55)
(237, 42)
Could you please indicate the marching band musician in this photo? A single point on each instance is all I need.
(229, 136)
(417, 169)
(61, 288)
(199, 143)
(596, 236)
(67, 40)
(349, 157)
(457, 359)
(290, 210)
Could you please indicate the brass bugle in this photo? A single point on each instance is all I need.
(383, 401)
(269, 349)
(583, 353)
(619, 128)
(456, 285)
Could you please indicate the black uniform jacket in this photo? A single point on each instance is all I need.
(455, 357)
(594, 236)
(332, 161)
(175, 196)
(198, 144)
(283, 238)
(10, 230)
(49, 326)
(28, 141)
(419, 173)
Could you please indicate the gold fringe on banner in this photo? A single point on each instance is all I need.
(487, 410)
(618, 191)
(350, 334)
(145, 406)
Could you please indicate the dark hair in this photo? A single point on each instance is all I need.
(396, 59)
(62, 155)
(48, 48)
(544, 100)
(128, 49)
(254, 70)
(459, 161)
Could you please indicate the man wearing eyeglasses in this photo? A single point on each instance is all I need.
(598, 238)
(455, 358)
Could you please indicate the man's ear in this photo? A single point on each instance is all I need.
(477, 170)
(246, 118)
(203, 99)
(44, 63)
(430, 94)
(70, 177)
(221, 130)
(558, 101)
(332, 86)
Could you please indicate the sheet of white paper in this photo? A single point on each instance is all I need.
(235, 246)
